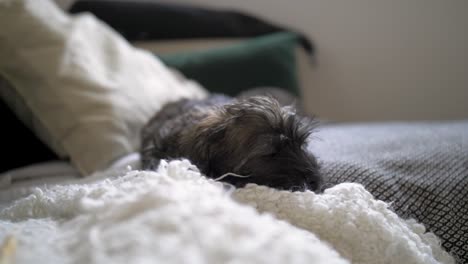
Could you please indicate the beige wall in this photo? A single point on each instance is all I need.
(379, 59)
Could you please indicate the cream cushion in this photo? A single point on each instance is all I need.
(81, 87)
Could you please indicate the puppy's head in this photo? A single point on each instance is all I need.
(258, 138)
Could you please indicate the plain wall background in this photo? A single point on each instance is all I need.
(378, 60)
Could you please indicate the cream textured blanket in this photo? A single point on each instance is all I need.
(175, 215)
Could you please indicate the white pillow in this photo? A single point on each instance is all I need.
(87, 90)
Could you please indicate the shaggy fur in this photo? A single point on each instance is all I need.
(254, 136)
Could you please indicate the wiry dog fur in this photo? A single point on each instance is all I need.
(254, 136)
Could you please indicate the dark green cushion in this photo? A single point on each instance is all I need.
(268, 60)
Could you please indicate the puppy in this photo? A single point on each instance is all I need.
(247, 140)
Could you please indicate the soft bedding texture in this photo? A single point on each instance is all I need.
(82, 88)
(421, 169)
(175, 215)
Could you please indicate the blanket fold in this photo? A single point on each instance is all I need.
(176, 215)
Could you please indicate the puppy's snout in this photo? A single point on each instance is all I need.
(315, 185)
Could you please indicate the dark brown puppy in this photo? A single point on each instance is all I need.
(254, 137)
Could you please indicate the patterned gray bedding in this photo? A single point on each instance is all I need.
(420, 168)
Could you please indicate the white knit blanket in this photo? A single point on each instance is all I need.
(175, 215)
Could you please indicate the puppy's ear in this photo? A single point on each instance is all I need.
(202, 143)
(214, 126)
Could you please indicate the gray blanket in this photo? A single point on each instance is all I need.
(420, 168)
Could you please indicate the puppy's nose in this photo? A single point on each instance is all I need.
(315, 186)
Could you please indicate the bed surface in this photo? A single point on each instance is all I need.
(420, 168)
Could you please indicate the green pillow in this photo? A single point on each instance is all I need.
(267, 60)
